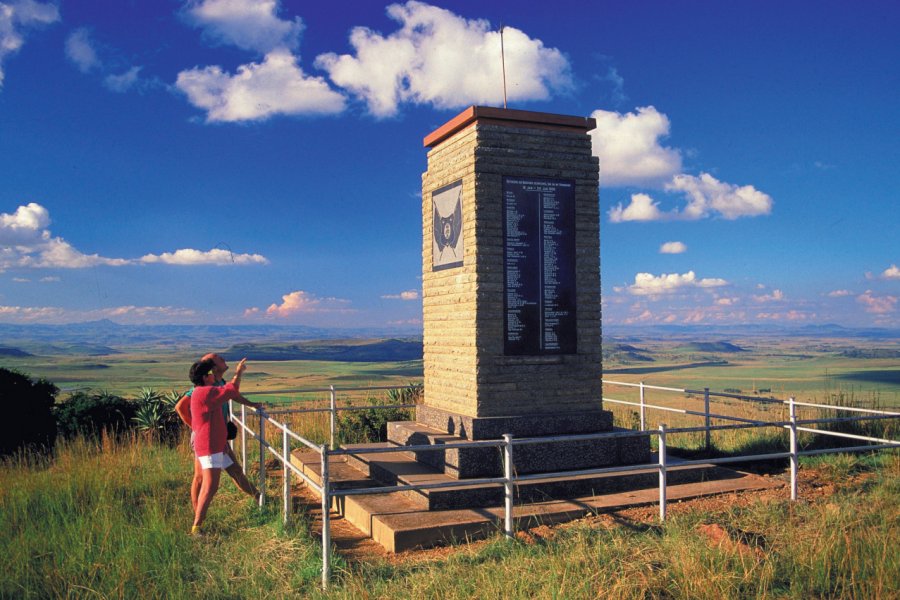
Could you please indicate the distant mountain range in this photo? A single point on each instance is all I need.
(108, 337)
(291, 342)
(625, 332)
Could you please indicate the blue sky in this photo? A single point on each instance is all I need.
(238, 161)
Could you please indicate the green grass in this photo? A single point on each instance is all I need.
(110, 521)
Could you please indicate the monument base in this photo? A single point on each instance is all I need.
(534, 425)
(436, 427)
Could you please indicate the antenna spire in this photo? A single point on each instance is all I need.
(503, 64)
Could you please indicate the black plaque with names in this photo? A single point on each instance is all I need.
(539, 266)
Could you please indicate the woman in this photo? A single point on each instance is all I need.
(208, 423)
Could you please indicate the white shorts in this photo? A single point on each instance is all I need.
(219, 460)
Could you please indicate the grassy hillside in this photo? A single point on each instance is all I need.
(111, 522)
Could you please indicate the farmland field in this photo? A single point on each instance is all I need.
(810, 369)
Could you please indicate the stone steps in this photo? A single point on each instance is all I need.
(408, 519)
(487, 462)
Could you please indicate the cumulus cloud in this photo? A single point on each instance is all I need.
(642, 208)
(892, 272)
(80, 50)
(259, 91)
(877, 305)
(447, 61)
(302, 302)
(248, 24)
(775, 296)
(216, 256)
(631, 154)
(707, 195)
(25, 242)
(839, 293)
(629, 149)
(16, 19)
(407, 295)
(647, 284)
(673, 248)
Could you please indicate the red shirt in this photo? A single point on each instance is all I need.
(207, 421)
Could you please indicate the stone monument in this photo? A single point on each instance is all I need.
(511, 294)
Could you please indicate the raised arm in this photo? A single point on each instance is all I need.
(238, 372)
(236, 381)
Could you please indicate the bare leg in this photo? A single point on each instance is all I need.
(195, 483)
(240, 478)
(207, 491)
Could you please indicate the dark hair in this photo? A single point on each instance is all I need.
(201, 369)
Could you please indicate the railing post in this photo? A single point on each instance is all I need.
(706, 418)
(262, 458)
(662, 472)
(508, 485)
(243, 439)
(792, 411)
(333, 415)
(286, 476)
(643, 409)
(231, 418)
(326, 522)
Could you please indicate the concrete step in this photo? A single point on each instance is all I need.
(486, 462)
(399, 522)
(399, 468)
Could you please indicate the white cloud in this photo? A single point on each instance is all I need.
(301, 302)
(673, 248)
(629, 149)
(839, 293)
(892, 272)
(707, 195)
(122, 314)
(216, 256)
(50, 279)
(877, 305)
(642, 208)
(790, 315)
(80, 50)
(407, 295)
(25, 242)
(775, 296)
(259, 91)
(21, 280)
(248, 24)
(647, 284)
(447, 61)
(123, 82)
(16, 18)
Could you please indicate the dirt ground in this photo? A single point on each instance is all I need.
(814, 486)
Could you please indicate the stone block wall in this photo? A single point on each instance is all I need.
(466, 371)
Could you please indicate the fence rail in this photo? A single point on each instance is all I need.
(507, 443)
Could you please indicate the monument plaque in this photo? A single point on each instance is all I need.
(447, 242)
(539, 266)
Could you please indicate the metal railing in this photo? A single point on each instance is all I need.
(507, 443)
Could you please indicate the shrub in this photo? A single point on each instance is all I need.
(29, 422)
(155, 414)
(91, 413)
(370, 424)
